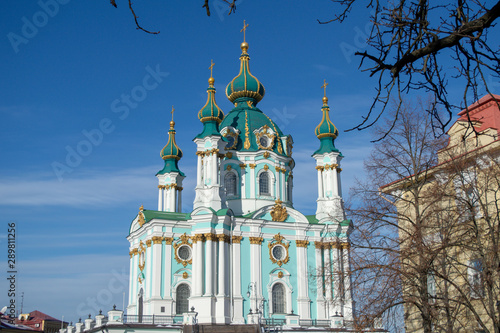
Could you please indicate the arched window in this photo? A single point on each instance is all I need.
(230, 183)
(181, 299)
(264, 188)
(279, 305)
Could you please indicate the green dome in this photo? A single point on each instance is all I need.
(211, 111)
(246, 120)
(245, 86)
(326, 128)
(171, 153)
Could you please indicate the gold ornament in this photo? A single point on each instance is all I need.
(279, 213)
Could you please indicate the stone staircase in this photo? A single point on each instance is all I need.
(214, 328)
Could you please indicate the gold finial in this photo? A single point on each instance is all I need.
(244, 45)
(325, 99)
(141, 208)
(172, 123)
(211, 79)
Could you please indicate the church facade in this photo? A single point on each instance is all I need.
(243, 249)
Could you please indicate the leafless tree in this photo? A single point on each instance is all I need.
(421, 45)
(427, 229)
(382, 271)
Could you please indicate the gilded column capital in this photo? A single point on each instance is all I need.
(278, 169)
(131, 254)
(223, 238)
(210, 237)
(156, 239)
(243, 165)
(301, 243)
(345, 246)
(319, 168)
(198, 238)
(168, 240)
(318, 245)
(339, 169)
(221, 155)
(179, 188)
(148, 243)
(256, 240)
(252, 166)
(237, 239)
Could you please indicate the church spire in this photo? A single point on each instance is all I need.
(326, 130)
(171, 153)
(170, 177)
(210, 114)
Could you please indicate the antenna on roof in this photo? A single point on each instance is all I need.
(22, 301)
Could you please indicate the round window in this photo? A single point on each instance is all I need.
(279, 252)
(184, 252)
(263, 141)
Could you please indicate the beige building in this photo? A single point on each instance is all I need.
(448, 222)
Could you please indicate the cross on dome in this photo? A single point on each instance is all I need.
(245, 26)
(325, 99)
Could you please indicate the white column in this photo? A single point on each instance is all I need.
(198, 170)
(255, 270)
(321, 309)
(337, 280)
(252, 182)
(282, 180)
(328, 275)
(165, 199)
(222, 266)
(348, 311)
(320, 184)
(243, 183)
(335, 185)
(197, 265)
(160, 204)
(172, 199)
(215, 178)
(149, 271)
(156, 278)
(325, 182)
(209, 265)
(303, 309)
(131, 280)
(167, 271)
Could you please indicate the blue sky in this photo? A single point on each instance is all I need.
(68, 78)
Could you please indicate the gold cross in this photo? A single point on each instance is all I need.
(172, 112)
(324, 86)
(244, 29)
(211, 67)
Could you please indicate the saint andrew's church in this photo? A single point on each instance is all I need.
(243, 251)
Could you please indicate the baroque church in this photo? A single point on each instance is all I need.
(243, 252)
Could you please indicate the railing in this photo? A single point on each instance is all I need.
(153, 319)
(273, 321)
(315, 322)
